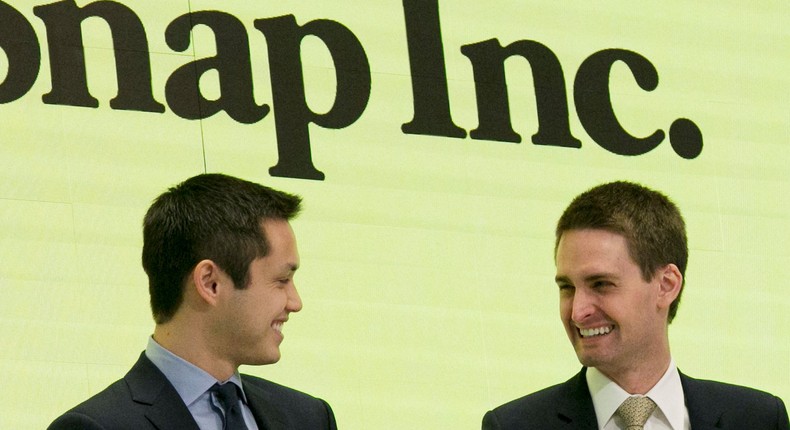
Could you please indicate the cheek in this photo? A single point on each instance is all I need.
(273, 304)
(566, 305)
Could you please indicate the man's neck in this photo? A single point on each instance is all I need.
(193, 347)
(639, 379)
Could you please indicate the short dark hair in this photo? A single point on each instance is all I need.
(650, 222)
(209, 216)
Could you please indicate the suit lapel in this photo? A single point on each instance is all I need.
(703, 413)
(160, 401)
(266, 415)
(574, 405)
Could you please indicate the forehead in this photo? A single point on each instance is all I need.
(280, 240)
(591, 249)
(277, 229)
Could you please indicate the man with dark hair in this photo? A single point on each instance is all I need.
(220, 256)
(621, 254)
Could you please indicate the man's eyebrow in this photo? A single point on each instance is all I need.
(598, 277)
(562, 279)
(286, 269)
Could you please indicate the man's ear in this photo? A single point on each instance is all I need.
(670, 284)
(206, 277)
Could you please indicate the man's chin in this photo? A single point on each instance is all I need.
(272, 359)
(587, 359)
(264, 359)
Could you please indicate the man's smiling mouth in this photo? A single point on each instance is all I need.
(597, 331)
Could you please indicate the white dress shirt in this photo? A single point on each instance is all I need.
(670, 413)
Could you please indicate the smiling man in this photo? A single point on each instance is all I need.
(220, 256)
(621, 254)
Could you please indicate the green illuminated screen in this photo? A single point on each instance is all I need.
(427, 272)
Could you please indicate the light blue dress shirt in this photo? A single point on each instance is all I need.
(192, 384)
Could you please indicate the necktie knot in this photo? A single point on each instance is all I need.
(228, 397)
(635, 411)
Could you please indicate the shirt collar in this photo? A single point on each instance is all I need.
(189, 380)
(667, 393)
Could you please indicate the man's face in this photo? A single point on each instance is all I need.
(255, 315)
(611, 314)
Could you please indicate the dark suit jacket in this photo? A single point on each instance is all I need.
(145, 399)
(711, 405)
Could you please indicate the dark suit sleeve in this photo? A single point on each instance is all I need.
(782, 421)
(330, 416)
(490, 421)
(74, 421)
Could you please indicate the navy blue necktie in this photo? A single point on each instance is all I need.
(228, 396)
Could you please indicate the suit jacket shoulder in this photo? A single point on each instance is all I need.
(713, 404)
(143, 399)
(562, 406)
(281, 407)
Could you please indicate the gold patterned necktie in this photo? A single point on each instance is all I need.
(635, 411)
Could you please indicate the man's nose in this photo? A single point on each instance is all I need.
(583, 305)
(294, 301)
